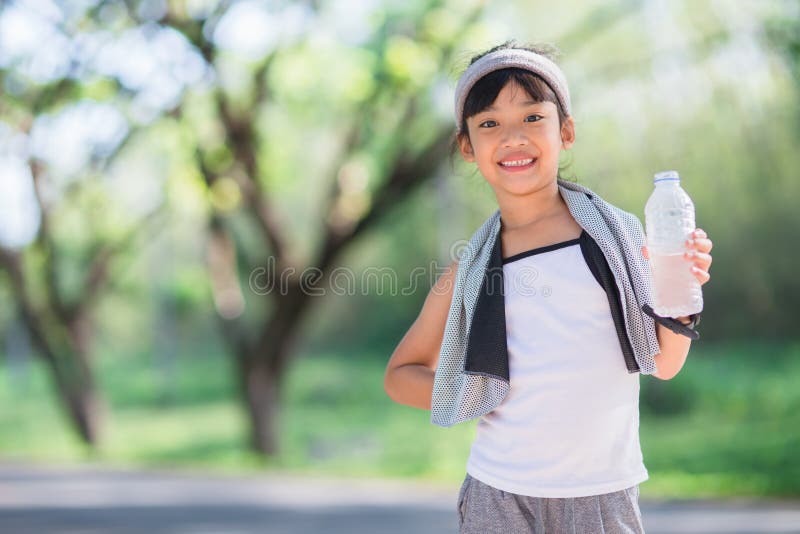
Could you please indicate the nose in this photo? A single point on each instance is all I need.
(514, 136)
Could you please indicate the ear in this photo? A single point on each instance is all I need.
(466, 148)
(568, 133)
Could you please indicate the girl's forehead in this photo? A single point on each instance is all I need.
(512, 90)
(517, 98)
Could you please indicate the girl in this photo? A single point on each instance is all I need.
(543, 324)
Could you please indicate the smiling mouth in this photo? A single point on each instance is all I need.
(518, 164)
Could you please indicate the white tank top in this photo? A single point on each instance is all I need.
(569, 425)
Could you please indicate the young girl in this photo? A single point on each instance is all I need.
(543, 324)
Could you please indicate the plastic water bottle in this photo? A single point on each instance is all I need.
(669, 221)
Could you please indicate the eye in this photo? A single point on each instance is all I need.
(491, 123)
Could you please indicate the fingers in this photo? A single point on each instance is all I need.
(699, 239)
(701, 275)
(699, 247)
(699, 259)
(702, 244)
(645, 254)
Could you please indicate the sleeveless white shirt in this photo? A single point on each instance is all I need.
(569, 424)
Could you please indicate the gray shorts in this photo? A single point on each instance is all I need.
(484, 509)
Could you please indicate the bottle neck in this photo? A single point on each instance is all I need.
(667, 183)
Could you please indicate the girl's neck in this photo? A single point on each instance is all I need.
(518, 212)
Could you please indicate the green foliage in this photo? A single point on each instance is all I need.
(784, 33)
(302, 76)
(663, 398)
(737, 436)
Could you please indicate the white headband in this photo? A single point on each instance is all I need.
(512, 57)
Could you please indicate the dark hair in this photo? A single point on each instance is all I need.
(485, 90)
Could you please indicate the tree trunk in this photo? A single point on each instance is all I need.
(77, 390)
(75, 381)
(261, 388)
(85, 409)
(263, 366)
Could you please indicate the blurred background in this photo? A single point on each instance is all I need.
(163, 162)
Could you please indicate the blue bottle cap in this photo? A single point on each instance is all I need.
(666, 175)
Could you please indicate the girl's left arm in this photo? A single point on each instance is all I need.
(675, 347)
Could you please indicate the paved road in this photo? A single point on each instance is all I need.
(88, 500)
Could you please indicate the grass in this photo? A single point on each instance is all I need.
(727, 425)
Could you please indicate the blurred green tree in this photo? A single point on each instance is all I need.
(230, 127)
(385, 147)
(375, 139)
(57, 279)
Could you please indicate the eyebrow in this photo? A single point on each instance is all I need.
(522, 104)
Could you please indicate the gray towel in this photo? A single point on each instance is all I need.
(460, 395)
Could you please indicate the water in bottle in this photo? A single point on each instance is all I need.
(669, 221)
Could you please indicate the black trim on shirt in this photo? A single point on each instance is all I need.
(539, 250)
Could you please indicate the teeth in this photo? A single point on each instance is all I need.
(516, 163)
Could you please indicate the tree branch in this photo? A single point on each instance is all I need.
(99, 267)
(244, 140)
(45, 240)
(10, 261)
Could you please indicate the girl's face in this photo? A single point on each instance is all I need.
(516, 142)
